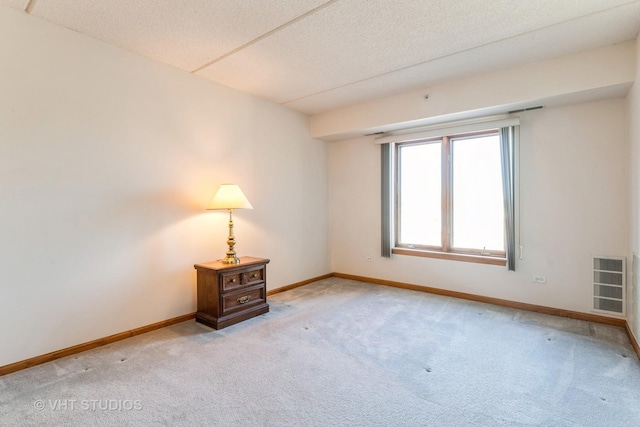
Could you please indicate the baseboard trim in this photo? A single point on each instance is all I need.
(34, 361)
(632, 338)
(298, 284)
(506, 303)
(496, 301)
(24, 364)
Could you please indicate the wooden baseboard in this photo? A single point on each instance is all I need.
(298, 284)
(24, 364)
(13, 367)
(506, 303)
(632, 338)
(479, 298)
(496, 301)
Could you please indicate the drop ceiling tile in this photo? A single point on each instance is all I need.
(347, 51)
(354, 40)
(16, 4)
(185, 34)
(592, 31)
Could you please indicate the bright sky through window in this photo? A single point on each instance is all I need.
(450, 195)
(420, 194)
(478, 207)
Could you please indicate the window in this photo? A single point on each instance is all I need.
(449, 197)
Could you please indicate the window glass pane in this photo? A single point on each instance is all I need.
(420, 194)
(478, 209)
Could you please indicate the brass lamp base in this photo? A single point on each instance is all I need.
(230, 259)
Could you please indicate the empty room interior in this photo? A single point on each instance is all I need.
(312, 212)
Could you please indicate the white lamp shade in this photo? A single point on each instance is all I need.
(229, 196)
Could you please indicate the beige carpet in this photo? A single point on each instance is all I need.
(344, 353)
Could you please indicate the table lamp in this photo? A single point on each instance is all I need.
(230, 197)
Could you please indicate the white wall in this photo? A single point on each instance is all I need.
(107, 162)
(574, 203)
(633, 294)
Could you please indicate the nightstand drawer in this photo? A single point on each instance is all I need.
(231, 281)
(243, 298)
(253, 276)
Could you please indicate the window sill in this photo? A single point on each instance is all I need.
(492, 260)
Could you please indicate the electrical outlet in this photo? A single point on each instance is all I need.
(369, 259)
(539, 279)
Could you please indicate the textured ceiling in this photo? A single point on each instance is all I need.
(318, 55)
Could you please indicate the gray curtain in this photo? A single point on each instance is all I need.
(507, 151)
(385, 182)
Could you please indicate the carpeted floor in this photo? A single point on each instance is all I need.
(343, 353)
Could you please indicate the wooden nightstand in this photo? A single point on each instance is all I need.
(231, 293)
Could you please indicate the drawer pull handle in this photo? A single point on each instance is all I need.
(243, 299)
(254, 275)
(232, 281)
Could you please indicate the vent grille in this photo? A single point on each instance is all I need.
(609, 278)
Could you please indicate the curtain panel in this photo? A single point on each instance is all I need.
(507, 152)
(386, 205)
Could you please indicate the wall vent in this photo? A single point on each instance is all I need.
(609, 278)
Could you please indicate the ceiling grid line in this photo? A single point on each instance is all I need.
(315, 56)
(265, 35)
(449, 55)
(29, 6)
